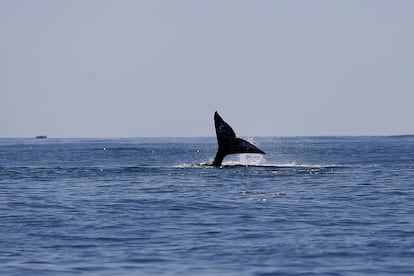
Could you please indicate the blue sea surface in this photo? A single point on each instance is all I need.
(149, 206)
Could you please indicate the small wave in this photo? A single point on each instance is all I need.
(259, 161)
(233, 164)
(199, 165)
(283, 165)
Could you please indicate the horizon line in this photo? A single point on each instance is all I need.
(192, 137)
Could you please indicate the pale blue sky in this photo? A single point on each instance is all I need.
(161, 68)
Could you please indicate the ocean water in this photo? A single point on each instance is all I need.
(311, 205)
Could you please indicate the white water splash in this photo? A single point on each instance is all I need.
(252, 159)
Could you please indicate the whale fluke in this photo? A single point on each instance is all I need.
(228, 143)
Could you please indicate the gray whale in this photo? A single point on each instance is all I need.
(228, 143)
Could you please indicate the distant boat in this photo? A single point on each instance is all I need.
(41, 137)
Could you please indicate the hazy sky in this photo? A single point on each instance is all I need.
(161, 68)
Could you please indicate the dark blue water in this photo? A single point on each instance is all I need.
(315, 205)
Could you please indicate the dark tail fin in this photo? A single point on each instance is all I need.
(228, 143)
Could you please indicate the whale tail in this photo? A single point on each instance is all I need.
(228, 143)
